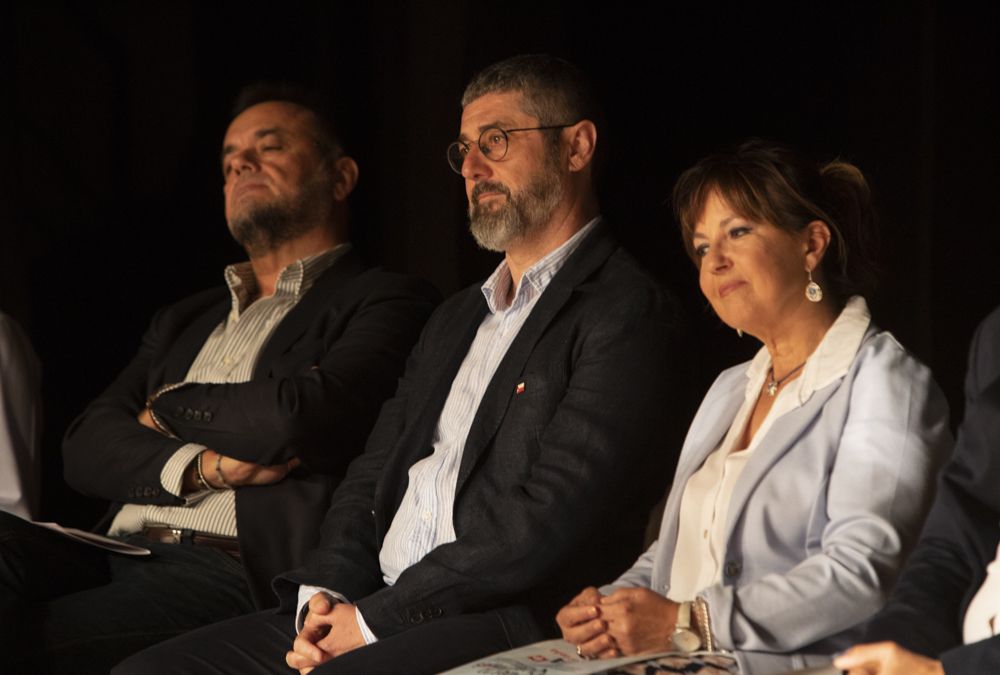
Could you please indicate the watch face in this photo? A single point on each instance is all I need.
(686, 640)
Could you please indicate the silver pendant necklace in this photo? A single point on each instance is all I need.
(773, 384)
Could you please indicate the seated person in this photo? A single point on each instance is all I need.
(807, 472)
(221, 442)
(495, 481)
(944, 615)
(20, 421)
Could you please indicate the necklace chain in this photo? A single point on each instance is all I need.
(773, 384)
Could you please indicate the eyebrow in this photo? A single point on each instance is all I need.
(695, 234)
(498, 124)
(257, 135)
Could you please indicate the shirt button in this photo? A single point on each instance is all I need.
(427, 515)
(227, 361)
(705, 534)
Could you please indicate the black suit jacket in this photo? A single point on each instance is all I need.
(926, 611)
(315, 392)
(556, 478)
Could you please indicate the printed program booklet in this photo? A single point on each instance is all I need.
(554, 657)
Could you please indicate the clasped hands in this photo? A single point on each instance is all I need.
(235, 472)
(329, 630)
(626, 622)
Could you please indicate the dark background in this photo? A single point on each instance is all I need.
(110, 204)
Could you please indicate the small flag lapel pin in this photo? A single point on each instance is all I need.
(519, 389)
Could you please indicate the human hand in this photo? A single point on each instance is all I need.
(885, 658)
(305, 654)
(639, 620)
(237, 473)
(581, 625)
(329, 630)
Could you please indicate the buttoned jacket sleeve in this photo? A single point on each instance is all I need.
(317, 387)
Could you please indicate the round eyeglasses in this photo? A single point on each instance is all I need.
(492, 143)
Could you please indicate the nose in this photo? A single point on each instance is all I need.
(716, 261)
(475, 166)
(240, 161)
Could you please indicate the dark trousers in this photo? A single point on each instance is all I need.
(256, 645)
(66, 607)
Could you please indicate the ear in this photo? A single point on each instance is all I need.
(582, 142)
(816, 239)
(345, 177)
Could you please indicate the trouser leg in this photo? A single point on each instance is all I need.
(37, 565)
(249, 645)
(147, 600)
(256, 645)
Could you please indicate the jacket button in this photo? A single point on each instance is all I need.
(207, 416)
(733, 569)
(188, 414)
(197, 415)
(179, 411)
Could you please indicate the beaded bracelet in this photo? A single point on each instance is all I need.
(200, 475)
(218, 473)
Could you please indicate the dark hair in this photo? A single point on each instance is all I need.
(771, 183)
(554, 90)
(325, 133)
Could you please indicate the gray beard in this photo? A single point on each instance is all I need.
(496, 227)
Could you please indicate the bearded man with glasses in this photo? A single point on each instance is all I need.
(535, 426)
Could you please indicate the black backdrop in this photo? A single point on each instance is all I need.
(110, 204)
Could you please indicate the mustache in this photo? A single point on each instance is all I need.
(488, 186)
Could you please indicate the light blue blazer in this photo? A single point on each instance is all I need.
(823, 513)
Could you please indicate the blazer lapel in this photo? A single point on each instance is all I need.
(782, 435)
(183, 350)
(591, 255)
(710, 426)
(304, 313)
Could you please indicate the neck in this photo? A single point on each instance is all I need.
(267, 265)
(791, 341)
(568, 219)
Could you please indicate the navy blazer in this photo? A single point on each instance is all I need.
(314, 394)
(927, 609)
(556, 478)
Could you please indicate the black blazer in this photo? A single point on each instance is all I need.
(557, 477)
(927, 608)
(315, 392)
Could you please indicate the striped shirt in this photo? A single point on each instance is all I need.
(228, 356)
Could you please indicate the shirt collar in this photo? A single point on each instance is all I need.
(293, 281)
(538, 276)
(829, 361)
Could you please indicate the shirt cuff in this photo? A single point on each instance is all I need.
(172, 474)
(366, 632)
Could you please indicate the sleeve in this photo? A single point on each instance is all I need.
(604, 428)
(106, 452)
(347, 557)
(973, 659)
(892, 442)
(19, 421)
(926, 611)
(319, 397)
(331, 391)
